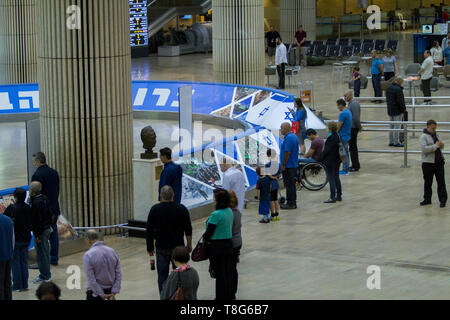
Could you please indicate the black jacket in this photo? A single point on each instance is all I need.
(20, 214)
(330, 154)
(41, 214)
(395, 100)
(49, 179)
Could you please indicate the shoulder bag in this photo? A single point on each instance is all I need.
(200, 252)
(342, 151)
(179, 293)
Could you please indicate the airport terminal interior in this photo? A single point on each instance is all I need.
(97, 91)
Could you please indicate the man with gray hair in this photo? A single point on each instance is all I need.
(168, 222)
(41, 224)
(289, 162)
(396, 109)
(102, 268)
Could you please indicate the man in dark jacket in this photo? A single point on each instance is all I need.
(332, 161)
(172, 174)
(6, 254)
(20, 214)
(396, 108)
(49, 179)
(41, 225)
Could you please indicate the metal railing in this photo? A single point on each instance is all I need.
(377, 124)
(413, 105)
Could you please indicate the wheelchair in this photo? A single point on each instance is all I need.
(311, 176)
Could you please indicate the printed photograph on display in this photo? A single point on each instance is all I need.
(224, 112)
(195, 193)
(202, 172)
(261, 96)
(242, 106)
(250, 152)
(5, 201)
(242, 92)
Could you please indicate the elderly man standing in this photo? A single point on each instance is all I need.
(289, 162)
(234, 179)
(433, 163)
(42, 218)
(102, 268)
(355, 109)
(396, 109)
(167, 223)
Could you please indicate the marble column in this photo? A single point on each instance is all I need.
(294, 13)
(86, 114)
(18, 41)
(238, 41)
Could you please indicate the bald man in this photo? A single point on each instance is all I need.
(289, 163)
(41, 222)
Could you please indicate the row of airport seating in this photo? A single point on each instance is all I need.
(345, 48)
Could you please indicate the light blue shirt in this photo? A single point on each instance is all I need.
(346, 118)
(375, 66)
(290, 144)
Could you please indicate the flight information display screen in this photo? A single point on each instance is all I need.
(138, 23)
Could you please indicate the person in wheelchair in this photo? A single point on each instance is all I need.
(315, 151)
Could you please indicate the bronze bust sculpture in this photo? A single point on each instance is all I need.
(148, 137)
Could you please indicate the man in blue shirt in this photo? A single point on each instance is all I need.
(446, 55)
(6, 254)
(344, 130)
(376, 71)
(289, 163)
(172, 174)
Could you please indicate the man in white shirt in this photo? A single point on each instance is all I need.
(281, 61)
(426, 74)
(233, 179)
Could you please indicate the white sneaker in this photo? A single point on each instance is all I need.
(37, 280)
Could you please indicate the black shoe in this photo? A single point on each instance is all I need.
(54, 264)
(264, 221)
(391, 144)
(339, 199)
(425, 203)
(33, 266)
(353, 170)
(330, 201)
(288, 207)
(443, 205)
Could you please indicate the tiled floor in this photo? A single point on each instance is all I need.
(318, 251)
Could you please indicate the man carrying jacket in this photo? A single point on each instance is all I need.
(395, 108)
(433, 164)
(41, 225)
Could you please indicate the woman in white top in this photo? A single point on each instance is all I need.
(436, 53)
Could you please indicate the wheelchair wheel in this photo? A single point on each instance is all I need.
(314, 177)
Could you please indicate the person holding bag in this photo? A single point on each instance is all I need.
(331, 158)
(220, 249)
(183, 282)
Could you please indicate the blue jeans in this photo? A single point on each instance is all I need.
(346, 165)
(357, 88)
(43, 254)
(376, 82)
(20, 266)
(334, 180)
(54, 245)
(163, 260)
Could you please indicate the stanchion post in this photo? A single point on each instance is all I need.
(414, 114)
(405, 145)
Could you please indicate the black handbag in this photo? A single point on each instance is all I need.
(200, 252)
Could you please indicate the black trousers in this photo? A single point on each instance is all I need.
(429, 171)
(353, 147)
(221, 261)
(281, 69)
(5, 280)
(290, 183)
(426, 89)
(235, 271)
(89, 295)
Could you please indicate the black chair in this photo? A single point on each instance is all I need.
(392, 44)
(310, 51)
(367, 48)
(380, 45)
(356, 42)
(368, 41)
(331, 42)
(356, 49)
(307, 43)
(347, 51)
(322, 51)
(334, 51)
(342, 42)
(316, 42)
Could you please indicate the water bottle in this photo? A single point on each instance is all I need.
(152, 263)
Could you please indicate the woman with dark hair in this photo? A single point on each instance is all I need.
(48, 291)
(437, 53)
(332, 161)
(220, 249)
(183, 276)
(300, 115)
(237, 237)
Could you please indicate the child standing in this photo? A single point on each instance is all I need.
(356, 81)
(274, 172)
(264, 186)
